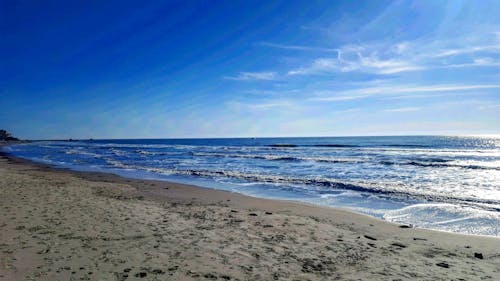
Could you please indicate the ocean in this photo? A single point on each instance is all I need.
(437, 182)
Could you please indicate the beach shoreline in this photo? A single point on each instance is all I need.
(208, 234)
(155, 190)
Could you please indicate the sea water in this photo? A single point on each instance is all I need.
(437, 182)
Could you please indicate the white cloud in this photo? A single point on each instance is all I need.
(352, 58)
(319, 65)
(403, 109)
(298, 47)
(467, 50)
(478, 62)
(408, 56)
(265, 105)
(246, 76)
(269, 105)
(272, 92)
(445, 88)
(391, 90)
(490, 106)
(484, 61)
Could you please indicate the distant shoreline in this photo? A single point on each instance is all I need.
(491, 135)
(5, 143)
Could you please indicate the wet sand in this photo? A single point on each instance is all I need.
(57, 224)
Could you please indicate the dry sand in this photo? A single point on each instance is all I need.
(62, 225)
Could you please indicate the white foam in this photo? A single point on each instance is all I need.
(448, 217)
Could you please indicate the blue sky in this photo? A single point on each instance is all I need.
(147, 69)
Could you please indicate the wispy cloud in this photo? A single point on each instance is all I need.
(298, 47)
(352, 59)
(490, 106)
(270, 105)
(403, 109)
(467, 50)
(273, 92)
(391, 90)
(444, 88)
(369, 65)
(246, 76)
(477, 62)
(385, 58)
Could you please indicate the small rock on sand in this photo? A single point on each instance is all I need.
(397, 244)
(370, 237)
(443, 264)
(406, 226)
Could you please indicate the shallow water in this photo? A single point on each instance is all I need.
(445, 183)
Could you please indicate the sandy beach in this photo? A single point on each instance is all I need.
(63, 225)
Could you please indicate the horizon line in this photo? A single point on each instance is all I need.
(495, 135)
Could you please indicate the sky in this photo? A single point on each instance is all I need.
(183, 69)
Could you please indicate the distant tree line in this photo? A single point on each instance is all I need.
(6, 136)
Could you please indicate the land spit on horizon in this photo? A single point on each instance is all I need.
(63, 225)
